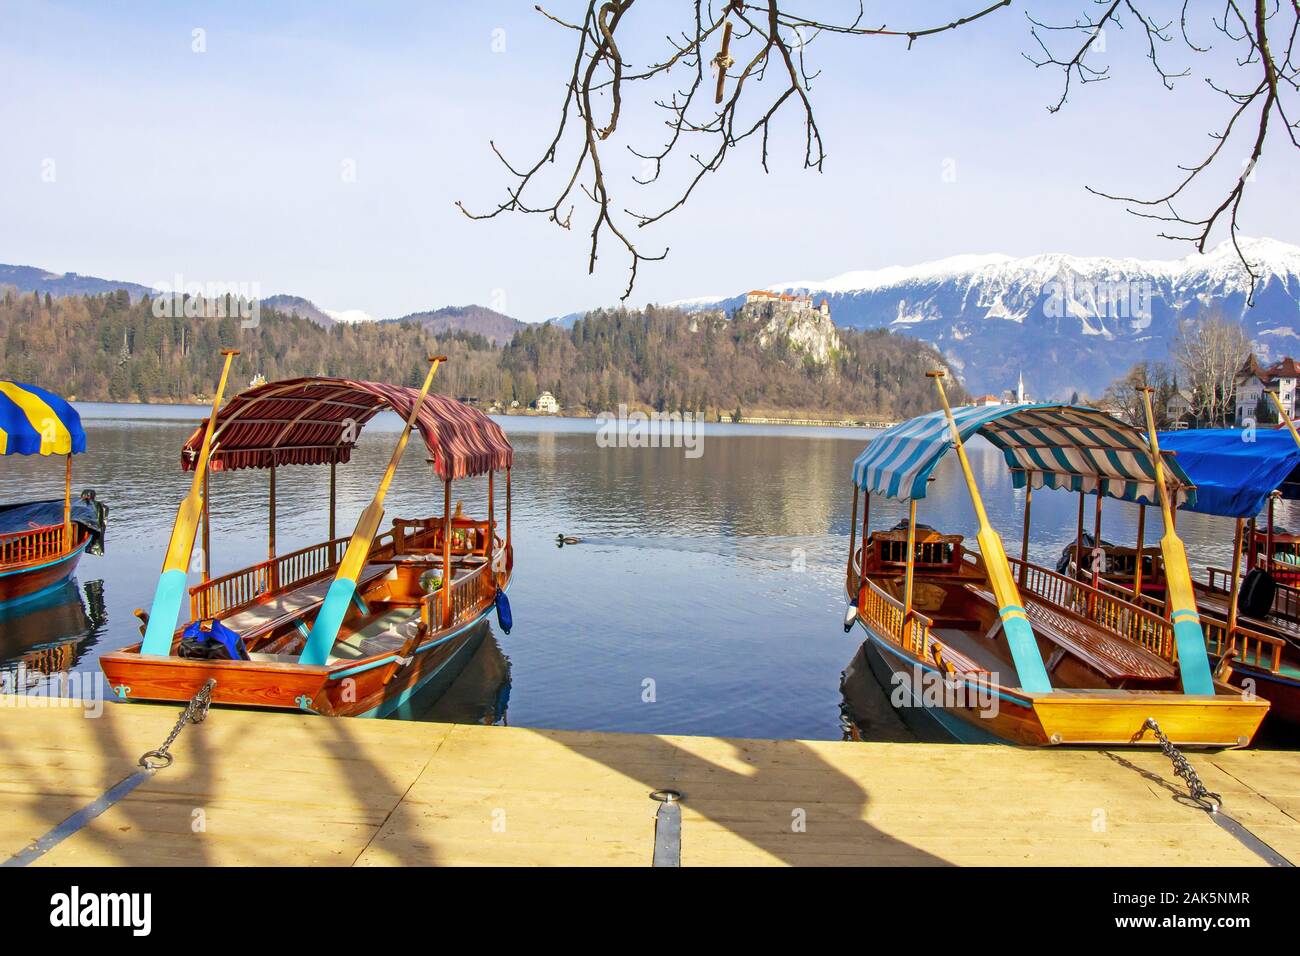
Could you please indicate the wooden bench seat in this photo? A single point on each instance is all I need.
(1113, 656)
(279, 609)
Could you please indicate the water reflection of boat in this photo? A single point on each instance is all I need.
(42, 541)
(474, 690)
(352, 626)
(52, 632)
(992, 648)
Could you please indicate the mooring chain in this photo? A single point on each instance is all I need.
(1201, 796)
(196, 711)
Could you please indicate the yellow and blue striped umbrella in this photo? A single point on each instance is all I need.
(36, 422)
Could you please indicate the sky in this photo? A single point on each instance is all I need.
(317, 149)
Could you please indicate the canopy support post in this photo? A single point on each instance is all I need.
(333, 498)
(492, 526)
(1096, 542)
(1137, 572)
(853, 544)
(270, 528)
(446, 553)
(1235, 588)
(1268, 540)
(67, 502)
(206, 547)
(911, 569)
(507, 511)
(1078, 543)
(1024, 537)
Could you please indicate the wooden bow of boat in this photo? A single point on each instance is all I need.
(1111, 663)
(938, 618)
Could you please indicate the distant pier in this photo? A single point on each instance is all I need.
(254, 788)
(817, 422)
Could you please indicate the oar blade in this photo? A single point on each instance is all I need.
(1015, 625)
(1193, 661)
(169, 595)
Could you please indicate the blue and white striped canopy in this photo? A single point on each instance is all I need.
(1054, 444)
(36, 422)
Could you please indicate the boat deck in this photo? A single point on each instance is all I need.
(255, 788)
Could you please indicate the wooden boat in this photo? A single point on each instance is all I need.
(41, 542)
(997, 649)
(1237, 479)
(402, 617)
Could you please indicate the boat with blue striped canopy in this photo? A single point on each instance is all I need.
(994, 648)
(41, 542)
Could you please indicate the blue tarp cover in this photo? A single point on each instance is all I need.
(1234, 470)
(44, 514)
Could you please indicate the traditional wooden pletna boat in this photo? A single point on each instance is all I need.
(999, 649)
(41, 542)
(352, 626)
(1253, 624)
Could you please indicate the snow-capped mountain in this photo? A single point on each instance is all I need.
(1069, 322)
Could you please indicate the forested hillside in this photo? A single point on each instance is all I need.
(107, 347)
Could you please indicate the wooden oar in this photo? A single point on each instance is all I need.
(1015, 625)
(170, 593)
(1193, 662)
(325, 630)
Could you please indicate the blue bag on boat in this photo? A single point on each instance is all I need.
(212, 640)
(504, 617)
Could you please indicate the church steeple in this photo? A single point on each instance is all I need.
(1020, 389)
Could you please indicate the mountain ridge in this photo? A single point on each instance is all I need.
(1070, 322)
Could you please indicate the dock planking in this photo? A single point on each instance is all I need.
(254, 788)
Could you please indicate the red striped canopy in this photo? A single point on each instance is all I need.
(316, 421)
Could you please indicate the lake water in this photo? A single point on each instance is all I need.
(706, 596)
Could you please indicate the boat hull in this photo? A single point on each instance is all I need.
(25, 582)
(1282, 691)
(366, 689)
(987, 712)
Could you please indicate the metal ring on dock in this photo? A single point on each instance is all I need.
(666, 796)
(156, 760)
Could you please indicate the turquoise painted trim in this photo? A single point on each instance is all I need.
(320, 641)
(359, 603)
(167, 600)
(301, 627)
(1024, 654)
(1193, 661)
(362, 668)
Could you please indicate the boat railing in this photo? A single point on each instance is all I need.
(887, 616)
(230, 592)
(1145, 601)
(1286, 599)
(1118, 615)
(35, 544)
(1251, 647)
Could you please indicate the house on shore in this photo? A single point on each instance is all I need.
(546, 404)
(1254, 379)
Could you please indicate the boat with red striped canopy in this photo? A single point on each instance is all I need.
(354, 625)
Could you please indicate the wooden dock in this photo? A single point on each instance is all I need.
(252, 789)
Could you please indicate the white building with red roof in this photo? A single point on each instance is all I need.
(1254, 379)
